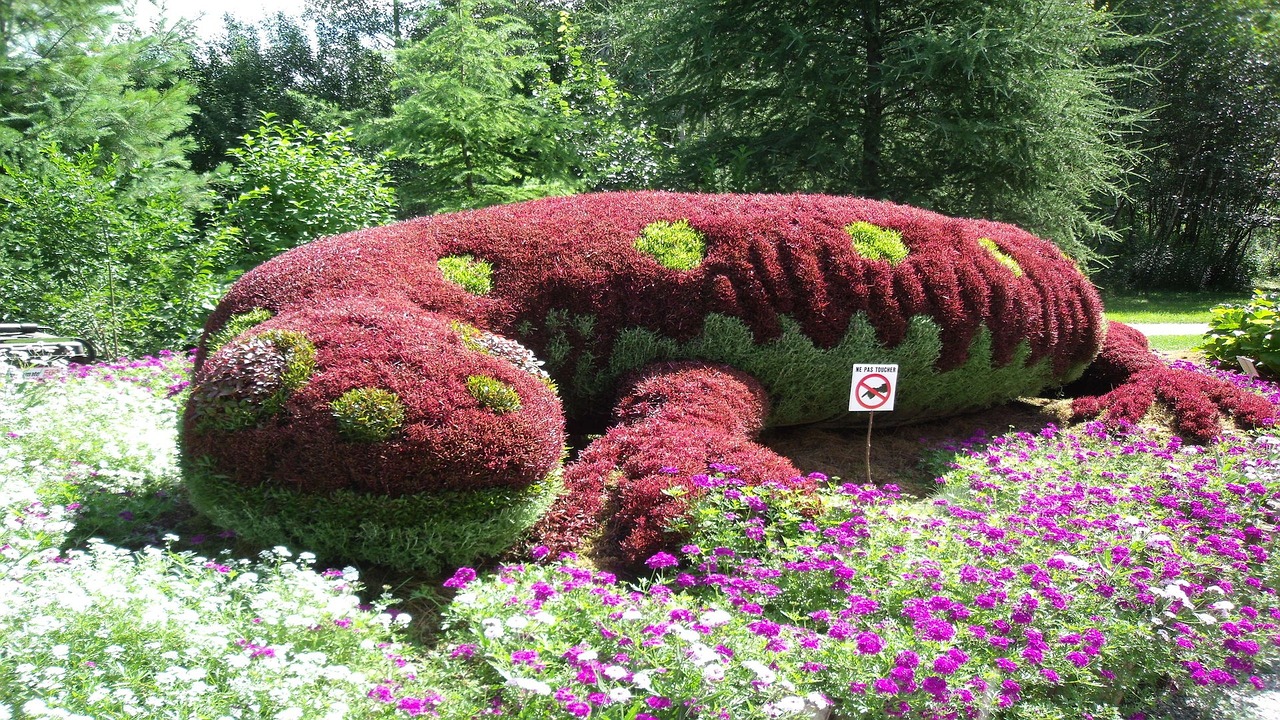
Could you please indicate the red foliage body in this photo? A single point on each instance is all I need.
(674, 420)
(1128, 379)
(449, 440)
(767, 255)
(376, 306)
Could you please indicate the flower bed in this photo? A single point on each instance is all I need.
(1069, 574)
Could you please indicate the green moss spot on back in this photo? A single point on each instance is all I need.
(368, 414)
(990, 246)
(876, 243)
(235, 325)
(475, 276)
(675, 245)
(493, 394)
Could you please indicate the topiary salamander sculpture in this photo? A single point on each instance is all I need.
(391, 394)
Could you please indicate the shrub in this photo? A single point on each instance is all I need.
(674, 245)
(368, 414)
(234, 326)
(1251, 330)
(780, 294)
(475, 276)
(628, 485)
(447, 439)
(779, 274)
(291, 185)
(876, 243)
(493, 394)
(250, 381)
(86, 249)
(422, 533)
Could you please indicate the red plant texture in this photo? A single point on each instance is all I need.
(568, 282)
(1128, 380)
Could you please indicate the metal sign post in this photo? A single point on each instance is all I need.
(873, 389)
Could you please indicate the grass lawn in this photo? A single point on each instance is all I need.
(1166, 306)
(1174, 343)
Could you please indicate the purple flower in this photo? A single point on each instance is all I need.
(765, 628)
(1006, 664)
(658, 702)
(869, 643)
(461, 577)
(886, 686)
(577, 708)
(524, 657)
(945, 665)
(935, 630)
(662, 560)
(464, 650)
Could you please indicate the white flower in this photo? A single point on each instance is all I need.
(761, 670)
(790, 705)
(293, 713)
(642, 680)
(518, 622)
(818, 701)
(536, 687)
(614, 672)
(715, 618)
(713, 673)
(619, 695)
(632, 614)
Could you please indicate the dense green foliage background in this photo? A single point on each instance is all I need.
(144, 168)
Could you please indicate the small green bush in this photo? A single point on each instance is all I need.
(493, 394)
(674, 245)
(990, 246)
(876, 243)
(236, 325)
(368, 414)
(475, 276)
(1251, 330)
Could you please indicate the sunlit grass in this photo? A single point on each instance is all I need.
(1175, 343)
(1166, 306)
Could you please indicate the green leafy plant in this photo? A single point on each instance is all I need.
(83, 251)
(876, 243)
(475, 276)
(291, 185)
(675, 245)
(990, 246)
(1251, 330)
(368, 414)
(237, 324)
(493, 394)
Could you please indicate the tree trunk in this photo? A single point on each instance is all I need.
(872, 104)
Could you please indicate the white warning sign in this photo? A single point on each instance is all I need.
(874, 388)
